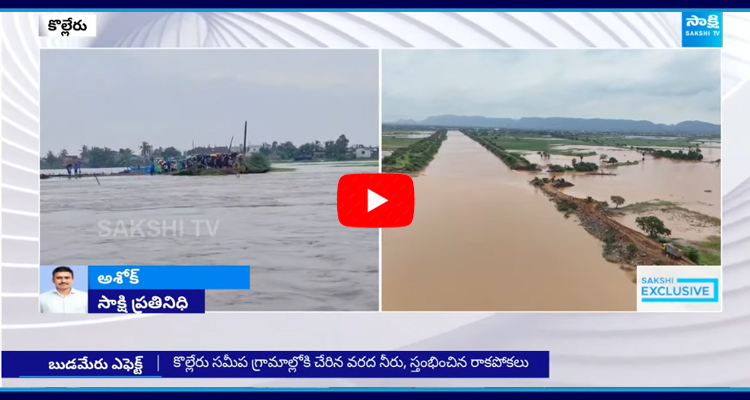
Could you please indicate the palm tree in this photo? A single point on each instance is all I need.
(50, 158)
(145, 149)
(124, 156)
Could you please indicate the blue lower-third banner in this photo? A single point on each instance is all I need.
(282, 364)
(147, 301)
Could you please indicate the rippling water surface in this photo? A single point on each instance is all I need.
(283, 224)
(483, 239)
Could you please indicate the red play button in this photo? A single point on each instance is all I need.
(375, 200)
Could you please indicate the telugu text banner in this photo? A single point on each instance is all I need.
(280, 364)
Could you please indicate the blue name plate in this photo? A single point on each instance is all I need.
(172, 277)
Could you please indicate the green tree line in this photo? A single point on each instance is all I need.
(416, 156)
(330, 150)
(693, 154)
(105, 157)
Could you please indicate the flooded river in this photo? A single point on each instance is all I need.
(695, 186)
(483, 239)
(283, 224)
(683, 182)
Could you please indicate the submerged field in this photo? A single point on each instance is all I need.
(483, 238)
(414, 156)
(697, 234)
(391, 143)
(606, 168)
(534, 144)
(617, 168)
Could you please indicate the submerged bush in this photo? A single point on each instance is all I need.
(693, 254)
(557, 168)
(257, 163)
(564, 206)
(632, 250)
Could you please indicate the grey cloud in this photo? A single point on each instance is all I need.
(664, 86)
(118, 98)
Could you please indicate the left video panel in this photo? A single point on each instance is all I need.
(210, 158)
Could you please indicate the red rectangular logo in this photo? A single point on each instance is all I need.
(375, 200)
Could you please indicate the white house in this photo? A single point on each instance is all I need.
(251, 149)
(363, 152)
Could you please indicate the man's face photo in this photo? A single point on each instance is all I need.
(62, 280)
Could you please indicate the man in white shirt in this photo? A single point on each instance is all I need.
(63, 299)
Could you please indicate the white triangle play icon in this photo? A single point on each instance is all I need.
(374, 200)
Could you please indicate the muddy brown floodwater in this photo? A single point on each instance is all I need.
(483, 239)
(695, 186)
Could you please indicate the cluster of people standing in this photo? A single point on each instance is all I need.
(227, 160)
(74, 168)
(200, 161)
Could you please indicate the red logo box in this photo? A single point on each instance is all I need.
(375, 200)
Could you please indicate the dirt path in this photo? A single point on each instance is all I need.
(598, 223)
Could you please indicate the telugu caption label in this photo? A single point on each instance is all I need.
(67, 25)
(126, 276)
(283, 364)
(147, 301)
(169, 277)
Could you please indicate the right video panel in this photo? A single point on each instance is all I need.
(544, 178)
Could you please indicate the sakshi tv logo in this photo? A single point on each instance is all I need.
(679, 288)
(702, 29)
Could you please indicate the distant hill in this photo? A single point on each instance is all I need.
(567, 124)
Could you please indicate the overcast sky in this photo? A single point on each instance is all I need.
(119, 98)
(662, 86)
